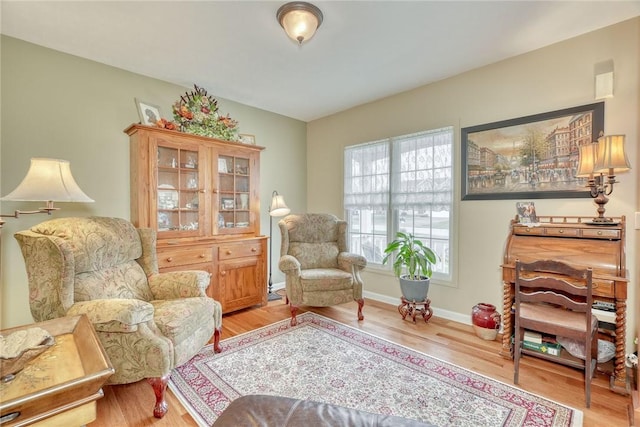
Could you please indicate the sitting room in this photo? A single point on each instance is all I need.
(287, 170)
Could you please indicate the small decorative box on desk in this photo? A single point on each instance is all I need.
(60, 385)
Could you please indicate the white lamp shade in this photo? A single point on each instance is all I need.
(300, 20)
(611, 155)
(587, 160)
(48, 180)
(278, 206)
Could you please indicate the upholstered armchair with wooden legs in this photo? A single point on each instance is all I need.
(147, 322)
(555, 298)
(319, 269)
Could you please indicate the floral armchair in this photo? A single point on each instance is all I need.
(148, 322)
(319, 269)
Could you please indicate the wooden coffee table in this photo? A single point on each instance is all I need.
(61, 385)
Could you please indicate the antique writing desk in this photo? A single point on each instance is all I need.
(574, 241)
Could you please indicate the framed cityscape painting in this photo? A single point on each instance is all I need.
(532, 157)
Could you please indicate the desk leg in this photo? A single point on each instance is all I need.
(507, 301)
(618, 382)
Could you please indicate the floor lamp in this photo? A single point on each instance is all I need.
(278, 208)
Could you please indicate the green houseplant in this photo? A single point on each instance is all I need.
(412, 256)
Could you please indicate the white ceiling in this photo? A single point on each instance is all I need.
(364, 50)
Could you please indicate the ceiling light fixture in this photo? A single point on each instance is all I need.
(300, 20)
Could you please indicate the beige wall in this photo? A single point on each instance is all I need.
(553, 78)
(61, 106)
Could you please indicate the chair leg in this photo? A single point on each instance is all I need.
(360, 305)
(216, 341)
(294, 312)
(516, 356)
(159, 385)
(590, 362)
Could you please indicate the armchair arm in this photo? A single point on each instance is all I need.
(289, 265)
(347, 259)
(179, 284)
(114, 315)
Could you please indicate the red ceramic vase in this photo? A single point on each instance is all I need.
(486, 321)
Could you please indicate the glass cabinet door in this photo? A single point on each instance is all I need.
(234, 208)
(178, 190)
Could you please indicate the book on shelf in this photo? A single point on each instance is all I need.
(604, 315)
(532, 336)
(552, 348)
(547, 345)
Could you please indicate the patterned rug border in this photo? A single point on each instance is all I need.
(475, 383)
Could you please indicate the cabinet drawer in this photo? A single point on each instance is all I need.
(239, 250)
(175, 257)
(601, 234)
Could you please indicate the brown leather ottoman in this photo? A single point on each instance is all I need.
(276, 411)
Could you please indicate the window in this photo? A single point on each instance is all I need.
(401, 184)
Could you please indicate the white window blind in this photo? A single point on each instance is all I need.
(401, 184)
(366, 176)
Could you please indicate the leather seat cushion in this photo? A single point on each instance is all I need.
(262, 410)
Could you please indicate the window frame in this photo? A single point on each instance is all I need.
(392, 213)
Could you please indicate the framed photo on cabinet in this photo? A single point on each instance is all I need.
(247, 139)
(149, 114)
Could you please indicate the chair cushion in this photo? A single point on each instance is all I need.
(325, 279)
(126, 280)
(97, 242)
(178, 319)
(315, 255)
(566, 319)
(313, 228)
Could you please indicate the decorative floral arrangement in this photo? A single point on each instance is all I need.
(197, 113)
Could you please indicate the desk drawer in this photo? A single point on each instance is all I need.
(533, 231)
(239, 250)
(571, 232)
(177, 257)
(603, 288)
(601, 234)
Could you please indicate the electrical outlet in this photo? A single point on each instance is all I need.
(637, 221)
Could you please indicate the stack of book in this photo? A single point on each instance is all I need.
(541, 343)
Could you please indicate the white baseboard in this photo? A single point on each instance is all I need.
(440, 312)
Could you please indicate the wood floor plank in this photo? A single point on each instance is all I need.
(132, 404)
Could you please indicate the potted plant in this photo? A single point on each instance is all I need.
(412, 265)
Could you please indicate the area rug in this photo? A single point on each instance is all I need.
(323, 360)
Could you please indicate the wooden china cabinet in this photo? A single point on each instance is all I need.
(201, 195)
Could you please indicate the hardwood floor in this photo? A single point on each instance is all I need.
(132, 404)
